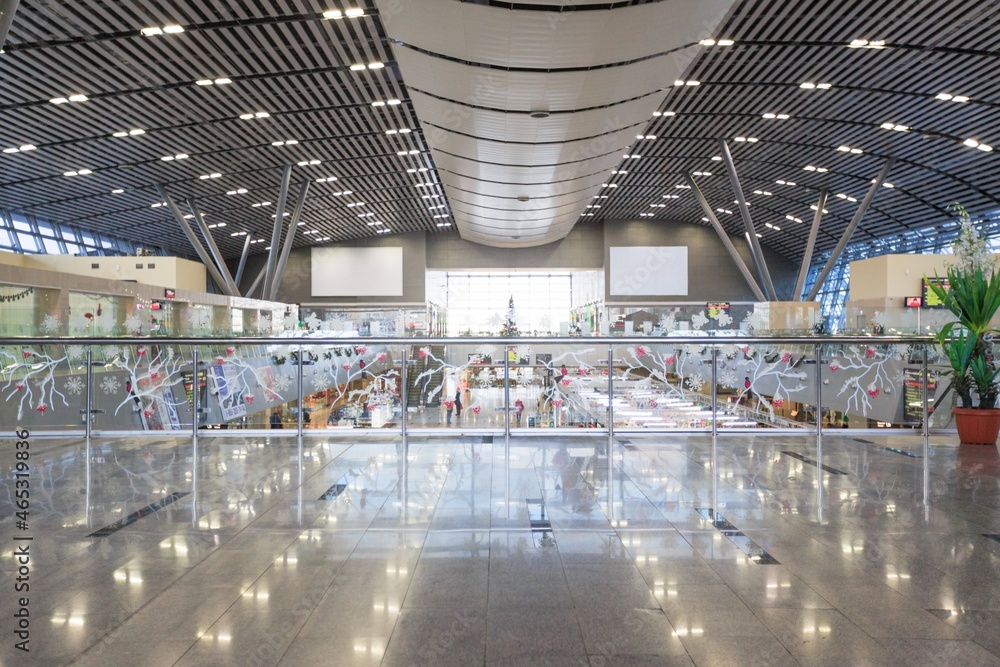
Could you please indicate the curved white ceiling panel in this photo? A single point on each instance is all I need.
(504, 125)
(554, 91)
(543, 40)
(499, 152)
(541, 174)
(527, 111)
(582, 185)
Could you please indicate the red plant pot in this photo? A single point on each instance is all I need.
(977, 427)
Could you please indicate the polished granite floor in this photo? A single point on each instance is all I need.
(450, 551)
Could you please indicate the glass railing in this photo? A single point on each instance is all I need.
(328, 385)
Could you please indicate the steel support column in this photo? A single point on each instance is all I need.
(851, 226)
(755, 249)
(279, 216)
(726, 241)
(293, 222)
(243, 258)
(213, 249)
(810, 245)
(198, 248)
(7, 10)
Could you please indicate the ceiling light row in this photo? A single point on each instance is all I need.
(221, 81)
(821, 170)
(895, 126)
(848, 149)
(645, 136)
(814, 207)
(657, 114)
(77, 97)
(262, 203)
(714, 42)
(786, 182)
(647, 215)
(342, 194)
(671, 196)
(256, 114)
(633, 157)
(808, 85)
(171, 158)
(973, 143)
(444, 224)
(155, 31)
(129, 133)
(214, 226)
(749, 140)
(961, 99)
(78, 172)
(20, 149)
(239, 234)
(286, 142)
(774, 227)
(381, 103)
(793, 218)
(762, 192)
(309, 163)
(239, 191)
(690, 82)
(205, 177)
(702, 173)
(410, 152)
(846, 197)
(357, 67)
(350, 12)
(328, 179)
(723, 210)
(776, 116)
(403, 130)
(866, 44)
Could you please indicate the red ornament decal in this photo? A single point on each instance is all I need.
(476, 409)
(786, 357)
(249, 399)
(42, 407)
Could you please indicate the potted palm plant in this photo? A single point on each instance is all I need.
(973, 297)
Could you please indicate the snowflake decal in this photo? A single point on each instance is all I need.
(50, 324)
(263, 323)
(668, 323)
(133, 324)
(110, 385)
(74, 352)
(318, 381)
(695, 382)
(699, 320)
(282, 383)
(723, 319)
(523, 351)
(290, 322)
(728, 379)
(312, 321)
(899, 378)
(74, 386)
(485, 350)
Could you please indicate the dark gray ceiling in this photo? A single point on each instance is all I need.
(285, 59)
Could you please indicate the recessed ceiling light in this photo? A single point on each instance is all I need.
(173, 29)
(866, 44)
(151, 32)
(785, 182)
(444, 224)
(221, 81)
(702, 173)
(203, 82)
(117, 191)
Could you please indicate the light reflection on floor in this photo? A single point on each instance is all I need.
(435, 553)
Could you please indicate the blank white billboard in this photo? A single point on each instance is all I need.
(357, 272)
(649, 271)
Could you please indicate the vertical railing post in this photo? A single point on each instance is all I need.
(819, 431)
(611, 430)
(88, 415)
(506, 425)
(404, 394)
(715, 432)
(195, 418)
(925, 428)
(298, 428)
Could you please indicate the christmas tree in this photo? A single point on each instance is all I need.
(509, 327)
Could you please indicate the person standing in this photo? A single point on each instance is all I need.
(275, 419)
(458, 403)
(518, 410)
